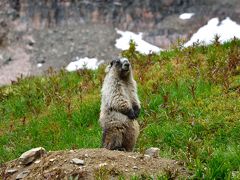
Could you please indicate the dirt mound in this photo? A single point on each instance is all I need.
(94, 164)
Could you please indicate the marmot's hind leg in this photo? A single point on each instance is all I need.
(113, 138)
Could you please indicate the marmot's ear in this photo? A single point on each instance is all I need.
(109, 66)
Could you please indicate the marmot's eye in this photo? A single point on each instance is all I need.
(111, 64)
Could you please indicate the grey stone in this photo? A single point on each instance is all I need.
(37, 161)
(135, 167)
(152, 152)
(51, 160)
(31, 155)
(22, 174)
(77, 161)
(10, 171)
(102, 164)
(146, 156)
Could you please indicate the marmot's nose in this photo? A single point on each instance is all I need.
(126, 64)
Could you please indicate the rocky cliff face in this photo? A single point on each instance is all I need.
(55, 32)
(158, 18)
(132, 15)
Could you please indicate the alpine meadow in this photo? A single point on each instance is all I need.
(190, 98)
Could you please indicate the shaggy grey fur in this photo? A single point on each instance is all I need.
(120, 107)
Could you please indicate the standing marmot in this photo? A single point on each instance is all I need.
(120, 107)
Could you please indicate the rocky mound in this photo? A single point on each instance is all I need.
(90, 164)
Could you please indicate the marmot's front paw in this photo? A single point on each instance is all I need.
(131, 114)
(136, 110)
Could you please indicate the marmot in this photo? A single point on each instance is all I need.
(120, 107)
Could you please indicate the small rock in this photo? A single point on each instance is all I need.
(146, 156)
(135, 167)
(51, 160)
(134, 157)
(86, 155)
(152, 152)
(32, 155)
(77, 161)
(22, 174)
(37, 161)
(11, 171)
(102, 164)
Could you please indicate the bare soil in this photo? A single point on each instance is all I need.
(98, 164)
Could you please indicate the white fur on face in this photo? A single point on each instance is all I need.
(122, 60)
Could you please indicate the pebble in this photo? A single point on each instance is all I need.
(134, 157)
(51, 160)
(11, 171)
(22, 174)
(146, 156)
(77, 161)
(152, 152)
(135, 167)
(102, 164)
(37, 161)
(86, 155)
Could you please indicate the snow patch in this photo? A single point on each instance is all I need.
(39, 65)
(84, 63)
(185, 16)
(141, 45)
(226, 29)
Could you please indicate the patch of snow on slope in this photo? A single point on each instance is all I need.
(226, 29)
(83, 63)
(39, 65)
(185, 16)
(141, 45)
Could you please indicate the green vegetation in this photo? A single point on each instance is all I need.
(190, 108)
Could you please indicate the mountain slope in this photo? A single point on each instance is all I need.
(190, 108)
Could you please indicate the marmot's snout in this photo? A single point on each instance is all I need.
(125, 66)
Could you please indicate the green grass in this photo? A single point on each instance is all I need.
(190, 108)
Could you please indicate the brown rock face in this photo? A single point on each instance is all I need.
(158, 18)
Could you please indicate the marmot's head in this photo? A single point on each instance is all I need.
(121, 66)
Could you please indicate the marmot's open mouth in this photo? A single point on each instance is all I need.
(125, 69)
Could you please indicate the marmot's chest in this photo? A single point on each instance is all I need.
(127, 92)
